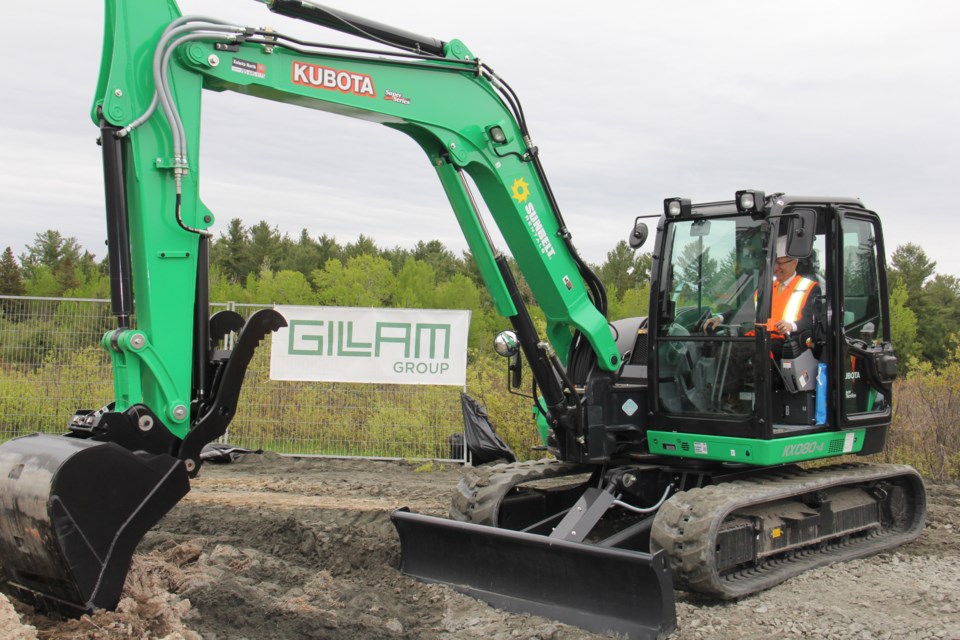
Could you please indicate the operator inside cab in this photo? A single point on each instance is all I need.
(794, 302)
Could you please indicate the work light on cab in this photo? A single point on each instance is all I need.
(676, 207)
(749, 201)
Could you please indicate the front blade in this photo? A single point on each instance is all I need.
(71, 515)
(599, 589)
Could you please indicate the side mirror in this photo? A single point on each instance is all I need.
(639, 234)
(507, 345)
(801, 232)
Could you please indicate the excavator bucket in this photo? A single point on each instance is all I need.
(599, 589)
(72, 512)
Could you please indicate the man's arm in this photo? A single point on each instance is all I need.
(811, 310)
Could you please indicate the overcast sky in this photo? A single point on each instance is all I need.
(629, 103)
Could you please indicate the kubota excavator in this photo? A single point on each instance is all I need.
(676, 442)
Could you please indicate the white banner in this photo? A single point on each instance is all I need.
(392, 346)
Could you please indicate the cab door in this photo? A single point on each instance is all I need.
(864, 364)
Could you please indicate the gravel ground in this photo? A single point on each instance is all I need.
(270, 547)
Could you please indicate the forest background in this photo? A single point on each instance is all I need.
(258, 264)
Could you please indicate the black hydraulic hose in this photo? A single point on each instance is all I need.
(581, 357)
(118, 226)
(598, 293)
(357, 26)
(530, 343)
(201, 322)
(508, 94)
(304, 46)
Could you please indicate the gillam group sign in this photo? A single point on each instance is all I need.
(390, 346)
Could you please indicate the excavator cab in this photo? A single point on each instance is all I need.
(736, 376)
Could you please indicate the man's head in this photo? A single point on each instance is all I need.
(784, 267)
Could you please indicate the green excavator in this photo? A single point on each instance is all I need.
(675, 438)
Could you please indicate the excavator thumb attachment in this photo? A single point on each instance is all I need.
(72, 512)
(599, 589)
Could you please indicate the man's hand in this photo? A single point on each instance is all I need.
(711, 324)
(784, 327)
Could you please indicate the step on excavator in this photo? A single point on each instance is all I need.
(676, 439)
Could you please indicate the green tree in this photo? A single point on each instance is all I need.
(11, 276)
(903, 326)
(642, 266)
(364, 246)
(911, 266)
(938, 305)
(445, 264)
(470, 268)
(231, 253)
(90, 280)
(328, 249)
(623, 269)
(224, 289)
(266, 246)
(634, 303)
(365, 281)
(43, 283)
(49, 249)
(416, 285)
(282, 287)
(397, 257)
(66, 275)
(306, 254)
(460, 293)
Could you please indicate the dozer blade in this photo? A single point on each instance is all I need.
(599, 589)
(71, 515)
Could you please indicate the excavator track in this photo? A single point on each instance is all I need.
(482, 490)
(733, 539)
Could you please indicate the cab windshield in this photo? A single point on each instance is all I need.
(712, 269)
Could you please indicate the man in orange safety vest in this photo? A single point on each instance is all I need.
(795, 299)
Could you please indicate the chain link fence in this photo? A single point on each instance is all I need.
(51, 364)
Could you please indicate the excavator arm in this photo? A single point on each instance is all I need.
(173, 392)
(462, 116)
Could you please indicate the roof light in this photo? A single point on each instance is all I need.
(750, 201)
(675, 207)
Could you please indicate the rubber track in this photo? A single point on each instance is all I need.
(480, 491)
(688, 524)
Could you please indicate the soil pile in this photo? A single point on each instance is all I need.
(272, 547)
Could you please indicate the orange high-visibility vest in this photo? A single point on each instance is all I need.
(787, 304)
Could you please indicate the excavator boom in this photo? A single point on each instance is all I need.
(75, 507)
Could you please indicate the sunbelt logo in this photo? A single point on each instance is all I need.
(400, 346)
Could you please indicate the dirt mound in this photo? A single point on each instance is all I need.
(285, 548)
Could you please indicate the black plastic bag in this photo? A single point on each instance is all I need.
(223, 453)
(483, 443)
